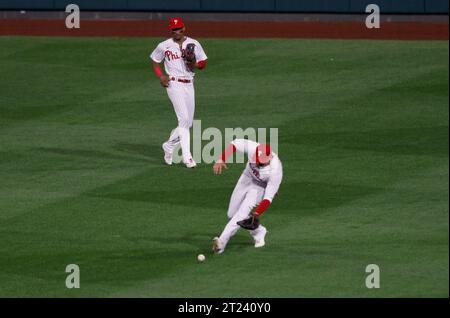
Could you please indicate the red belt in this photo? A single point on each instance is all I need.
(181, 80)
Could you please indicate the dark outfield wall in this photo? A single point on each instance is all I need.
(313, 6)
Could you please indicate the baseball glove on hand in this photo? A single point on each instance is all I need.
(189, 56)
(250, 223)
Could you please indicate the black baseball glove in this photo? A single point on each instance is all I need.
(189, 56)
(250, 223)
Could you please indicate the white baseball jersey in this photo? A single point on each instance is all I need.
(268, 177)
(171, 53)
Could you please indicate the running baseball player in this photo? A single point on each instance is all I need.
(182, 55)
(256, 187)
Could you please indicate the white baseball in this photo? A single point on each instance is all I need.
(201, 257)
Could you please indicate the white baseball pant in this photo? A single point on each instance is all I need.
(182, 96)
(246, 195)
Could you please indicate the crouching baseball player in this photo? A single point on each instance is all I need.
(256, 187)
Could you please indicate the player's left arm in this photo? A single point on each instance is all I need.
(200, 57)
(271, 190)
(200, 64)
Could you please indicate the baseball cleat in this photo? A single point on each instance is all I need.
(261, 242)
(217, 246)
(167, 154)
(190, 163)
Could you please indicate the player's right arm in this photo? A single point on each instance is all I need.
(220, 163)
(163, 78)
(157, 57)
(241, 145)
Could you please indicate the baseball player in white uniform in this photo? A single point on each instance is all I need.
(256, 187)
(179, 83)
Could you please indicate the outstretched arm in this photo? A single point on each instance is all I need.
(241, 145)
(220, 164)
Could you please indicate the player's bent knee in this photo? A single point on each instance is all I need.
(251, 199)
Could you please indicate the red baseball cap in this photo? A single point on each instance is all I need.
(176, 23)
(262, 154)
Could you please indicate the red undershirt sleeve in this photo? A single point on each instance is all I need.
(201, 64)
(262, 207)
(157, 70)
(228, 152)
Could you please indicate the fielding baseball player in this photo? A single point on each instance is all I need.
(257, 186)
(181, 56)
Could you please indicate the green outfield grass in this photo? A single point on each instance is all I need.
(363, 131)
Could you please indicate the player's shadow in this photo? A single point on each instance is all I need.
(308, 197)
(217, 197)
(194, 239)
